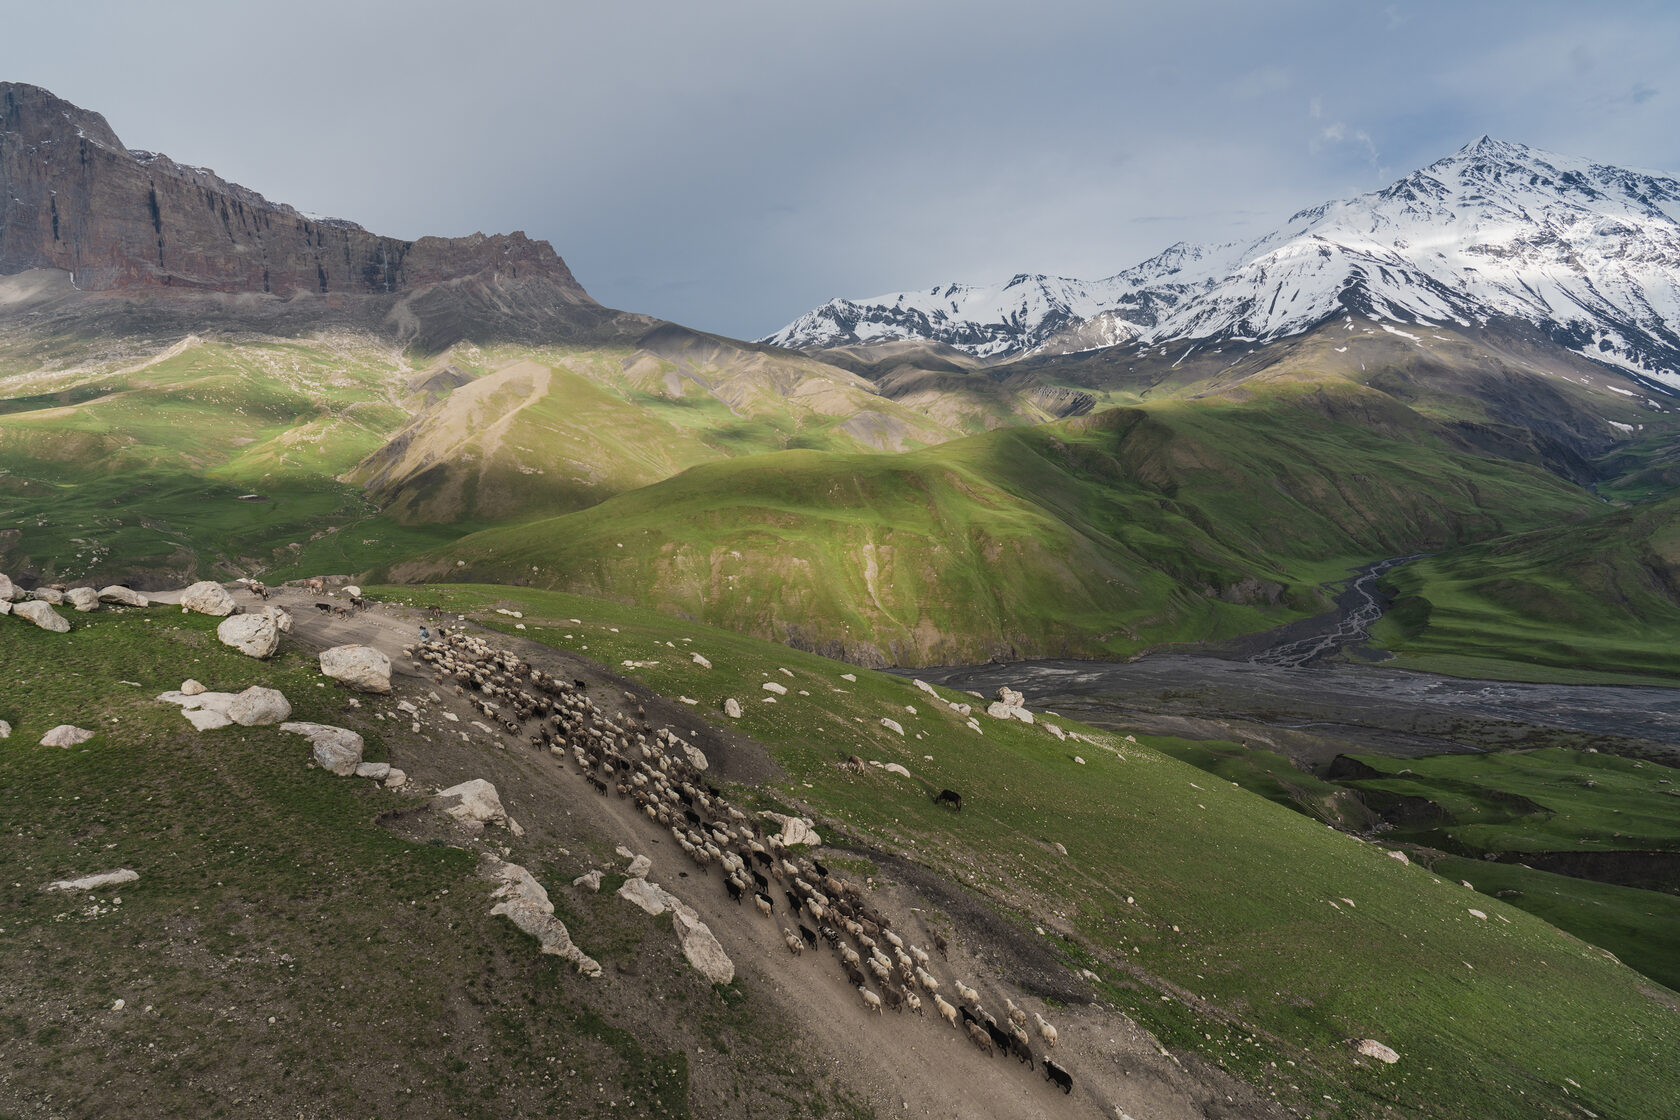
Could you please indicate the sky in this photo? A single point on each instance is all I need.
(730, 164)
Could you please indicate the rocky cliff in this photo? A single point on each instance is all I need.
(72, 197)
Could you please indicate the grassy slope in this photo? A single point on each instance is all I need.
(281, 953)
(1213, 916)
(1602, 595)
(1184, 520)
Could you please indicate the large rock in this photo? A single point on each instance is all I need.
(336, 749)
(732, 708)
(66, 735)
(794, 830)
(259, 707)
(526, 904)
(1010, 698)
(47, 595)
(208, 597)
(83, 599)
(123, 597)
(281, 617)
(361, 667)
(696, 757)
(473, 800)
(42, 615)
(250, 634)
(702, 948)
(1371, 1048)
(641, 893)
(8, 589)
(94, 882)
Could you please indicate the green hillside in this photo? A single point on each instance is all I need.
(1183, 520)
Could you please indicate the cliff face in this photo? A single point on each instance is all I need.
(73, 198)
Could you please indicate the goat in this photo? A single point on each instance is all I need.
(736, 891)
(894, 997)
(808, 934)
(1058, 1075)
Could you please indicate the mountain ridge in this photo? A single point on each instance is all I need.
(1587, 250)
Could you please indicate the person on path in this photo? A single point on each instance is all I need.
(425, 635)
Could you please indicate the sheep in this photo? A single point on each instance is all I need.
(763, 905)
(1045, 1029)
(998, 1037)
(1016, 1015)
(894, 997)
(791, 940)
(913, 1001)
(967, 994)
(980, 1038)
(882, 973)
(893, 939)
(921, 956)
(870, 999)
(809, 934)
(1019, 1045)
(850, 955)
(926, 980)
(946, 1011)
(1058, 1075)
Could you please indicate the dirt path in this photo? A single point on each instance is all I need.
(898, 1064)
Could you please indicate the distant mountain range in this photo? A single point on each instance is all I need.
(1588, 252)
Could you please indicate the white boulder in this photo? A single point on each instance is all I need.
(83, 599)
(700, 661)
(47, 595)
(94, 882)
(281, 618)
(702, 948)
(123, 597)
(42, 615)
(352, 590)
(336, 749)
(208, 597)
(794, 830)
(250, 634)
(66, 735)
(361, 667)
(772, 686)
(696, 757)
(472, 800)
(642, 894)
(8, 589)
(1371, 1048)
(732, 708)
(378, 771)
(893, 725)
(259, 707)
(639, 867)
(190, 687)
(5, 730)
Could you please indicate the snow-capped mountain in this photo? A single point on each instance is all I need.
(1589, 252)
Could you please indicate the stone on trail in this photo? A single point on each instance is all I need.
(395, 778)
(250, 634)
(695, 756)
(83, 599)
(352, 590)
(526, 905)
(66, 735)
(361, 667)
(123, 596)
(643, 894)
(1371, 1048)
(208, 597)
(94, 882)
(42, 615)
(336, 749)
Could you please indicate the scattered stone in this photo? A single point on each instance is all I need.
(643, 894)
(94, 882)
(208, 597)
(1010, 698)
(190, 687)
(700, 661)
(1479, 914)
(378, 771)
(395, 778)
(732, 708)
(361, 667)
(849, 677)
(526, 905)
(5, 606)
(83, 599)
(472, 800)
(336, 749)
(1059, 847)
(1371, 1048)
(589, 880)
(1054, 730)
(997, 710)
(66, 735)
(772, 686)
(892, 725)
(42, 615)
(1079, 760)
(689, 700)
(352, 590)
(962, 709)
(259, 707)
(5, 730)
(123, 597)
(1399, 855)
(925, 687)
(895, 768)
(250, 634)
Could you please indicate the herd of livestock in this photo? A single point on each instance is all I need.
(657, 769)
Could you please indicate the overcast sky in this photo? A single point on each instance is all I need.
(729, 164)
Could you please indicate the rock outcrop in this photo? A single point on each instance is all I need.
(525, 903)
(361, 667)
(336, 749)
(208, 597)
(42, 615)
(250, 634)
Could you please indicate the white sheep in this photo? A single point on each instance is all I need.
(763, 904)
(946, 1011)
(870, 999)
(1045, 1029)
(791, 939)
(913, 1001)
(1016, 1015)
(967, 994)
(926, 980)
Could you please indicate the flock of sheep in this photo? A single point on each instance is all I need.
(657, 770)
